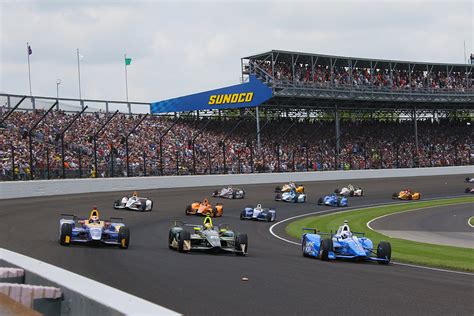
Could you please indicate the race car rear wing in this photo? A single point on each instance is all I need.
(116, 219)
(69, 216)
(314, 230)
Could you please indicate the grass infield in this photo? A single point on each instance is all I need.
(456, 258)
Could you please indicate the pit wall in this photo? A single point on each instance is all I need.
(21, 189)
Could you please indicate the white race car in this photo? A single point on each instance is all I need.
(134, 203)
(469, 180)
(350, 190)
(291, 196)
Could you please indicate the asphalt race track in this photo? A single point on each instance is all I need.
(281, 281)
(447, 225)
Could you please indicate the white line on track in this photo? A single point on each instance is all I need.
(357, 208)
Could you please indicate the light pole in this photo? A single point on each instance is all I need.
(58, 82)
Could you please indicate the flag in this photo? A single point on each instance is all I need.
(30, 51)
(81, 56)
(128, 61)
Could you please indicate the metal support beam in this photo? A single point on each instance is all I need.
(12, 110)
(195, 136)
(126, 142)
(338, 138)
(95, 139)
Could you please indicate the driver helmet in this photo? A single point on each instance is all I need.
(208, 225)
(205, 202)
(259, 206)
(135, 194)
(94, 217)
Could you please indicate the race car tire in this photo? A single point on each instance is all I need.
(278, 197)
(394, 196)
(66, 230)
(277, 189)
(337, 191)
(143, 207)
(215, 193)
(242, 215)
(269, 217)
(467, 190)
(241, 239)
(170, 239)
(182, 237)
(234, 194)
(116, 204)
(188, 210)
(124, 237)
(338, 203)
(361, 192)
(326, 247)
(410, 197)
(384, 250)
(320, 201)
(151, 206)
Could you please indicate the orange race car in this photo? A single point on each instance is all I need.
(204, 208)
(406, 195)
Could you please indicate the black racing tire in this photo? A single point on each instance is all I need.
(278, 197)
(170, 239)
(395, 195)
(151, 206)
(215, 193)
(325, 247)
(117, 203)
(66, 230)
(337, 191)
(467, 190)
(320, 201)
(269, 217)
(384, 251)
(239, 240)
(277, 189)
(361, 192)
(242, 215)
(188, 210)
(124, 237)
(234, 194)
(143, 207)
(182, 237)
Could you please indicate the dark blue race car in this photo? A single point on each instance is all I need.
(343, 245)
(333, 200)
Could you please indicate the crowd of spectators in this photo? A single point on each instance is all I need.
(359, 77)
(301, 145)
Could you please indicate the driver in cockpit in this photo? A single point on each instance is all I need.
(208, 223)
(345, 231)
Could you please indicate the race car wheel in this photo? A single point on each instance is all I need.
(215, 193)
(188, 210)
(124, 237)
(143, 207)
(337, 191)
(277, 189)
(182, 237)
(242, 215)
(361, 192)
(66, 232)
(117, 203)
(151, 206)
(234, 194)
(269, 217)
(241, 239)
(170, 239)
(326, 247)
(277, 197)
(384, 251)
(394, 196)
(320, 201)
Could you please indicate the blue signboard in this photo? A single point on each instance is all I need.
(250, 94)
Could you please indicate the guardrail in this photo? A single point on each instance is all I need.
(21, 189)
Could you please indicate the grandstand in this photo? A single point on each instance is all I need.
(321, 113)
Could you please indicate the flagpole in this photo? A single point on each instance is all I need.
(79, 74)
(29, 70)
(126, 81)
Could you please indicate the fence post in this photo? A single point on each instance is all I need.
(13, 161)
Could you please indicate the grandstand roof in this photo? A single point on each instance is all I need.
(361, 62)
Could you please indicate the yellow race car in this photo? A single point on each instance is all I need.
(407, 195)
(288, 187)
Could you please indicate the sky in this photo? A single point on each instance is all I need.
(183, 47)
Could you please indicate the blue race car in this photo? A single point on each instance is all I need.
(333, 200)
(343, 245)
(258, 213)
(93, 230)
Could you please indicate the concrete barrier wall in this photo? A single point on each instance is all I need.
(20, 189)
(82, 296)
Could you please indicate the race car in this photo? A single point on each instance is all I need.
(350, 190)
(291, 196)
(407, 195)
(343, 245)
(207, 237)
(333, 200)
(134, 203)
(288, 187)
(469, 190)
(258, 213)
(93, 230)
(204, 208)
(469, 180)
(229, 193)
